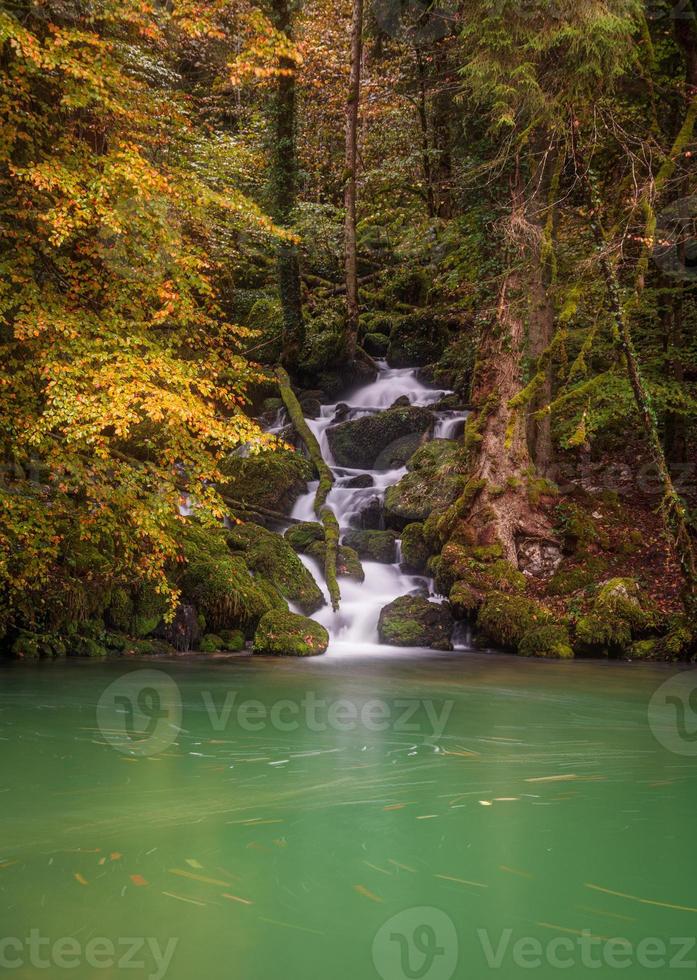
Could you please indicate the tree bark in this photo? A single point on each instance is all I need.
(352, 104)
(285, 180)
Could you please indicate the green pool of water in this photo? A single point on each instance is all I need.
(401, 815)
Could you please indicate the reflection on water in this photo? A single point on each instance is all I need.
(304, 804)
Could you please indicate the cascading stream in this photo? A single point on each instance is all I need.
(354, 627)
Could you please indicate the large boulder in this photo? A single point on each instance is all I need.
(270, 555)
(434, 481)
(506, 620)
(300, 536)
(286, 634)
(620, 614)
(381, 440)
(273, 479)
(413, 621)
(378, 546)
(225, 593)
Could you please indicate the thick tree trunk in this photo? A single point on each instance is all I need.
(285, 178)
(352, 104)
(496, 507)
(500, 510)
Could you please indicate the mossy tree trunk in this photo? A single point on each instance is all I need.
(496, 507)
(350, 248)
(284, 187)
(326, 481)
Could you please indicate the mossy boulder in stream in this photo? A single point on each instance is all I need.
(270, 555)
(415, 548)
(225, 593)
(273, 479)
(413, 621)
(620, 614)
(380, 546)
(301, 536)
(506, 620)
(286, 634)
(433, 483)
(367, 442)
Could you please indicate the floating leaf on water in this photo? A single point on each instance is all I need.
(78, 877)
(362, 890)
(236, 898)
(139, 880)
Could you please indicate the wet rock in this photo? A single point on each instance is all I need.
(341, 412)
(415, 550)
(370, 517)
(380, 546)
(360, 442)
(287, 634)
(270, 555)
(401, 402)
(433, 483)
(311, 408)
(359, 482)
(301, 536)
(273, 480)
(412, 621)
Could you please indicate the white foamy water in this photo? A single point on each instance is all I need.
(355, 625)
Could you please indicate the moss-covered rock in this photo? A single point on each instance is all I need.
(547, 641)
(220, 585)
(301, 536)
(482, 568)
(464, 600)
(348, 564)
(619, 615)
(507, 619)
(287, 634)
(273, 479)
(365, 443)
(271, 556)
(579, 529)
(413, 621)
(433, 483)
(376, 344)
(380, 546)
(417, 495)
(416, 549)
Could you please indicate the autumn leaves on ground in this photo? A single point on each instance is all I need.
(216, 213)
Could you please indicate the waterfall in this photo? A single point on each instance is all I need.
(354, 626)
